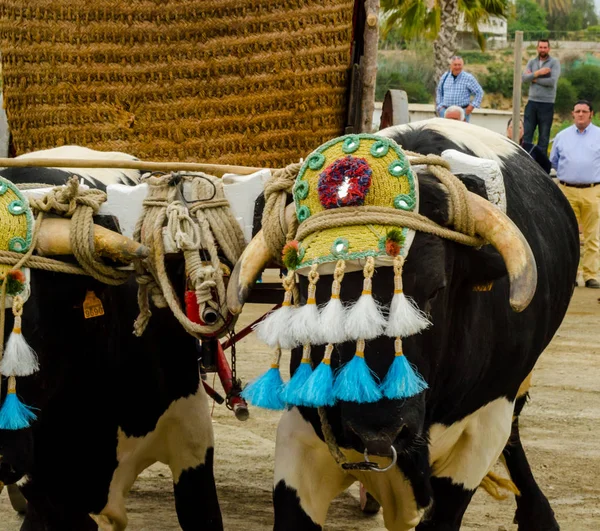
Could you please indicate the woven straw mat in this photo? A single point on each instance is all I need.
(249, 82)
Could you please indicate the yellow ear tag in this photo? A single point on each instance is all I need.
(92, 306)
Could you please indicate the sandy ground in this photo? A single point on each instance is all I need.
(560, 431)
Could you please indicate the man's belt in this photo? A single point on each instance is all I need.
(579, 185)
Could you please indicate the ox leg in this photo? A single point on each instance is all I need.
(307, 478)
(533, 509)
(462, 454)
(450, 501)
(191, 458)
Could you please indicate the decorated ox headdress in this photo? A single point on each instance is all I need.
(17, 358)
(352, 174)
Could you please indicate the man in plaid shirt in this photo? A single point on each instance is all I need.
(456, 88)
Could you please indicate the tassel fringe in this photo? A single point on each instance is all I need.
(318, 390)
(19, 358)
(292, 391)
(355, 382)
(402, 379)
(304, 326)
(14, 415)
(333, 314)
(267, 389)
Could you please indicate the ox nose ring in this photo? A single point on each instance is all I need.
(369, 466)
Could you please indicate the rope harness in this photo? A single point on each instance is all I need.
(277, 233)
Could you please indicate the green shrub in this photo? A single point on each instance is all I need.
(413, 74)
(474, 57)
(586, 80)
(498, 80)
(566, 96)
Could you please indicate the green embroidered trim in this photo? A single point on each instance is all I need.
(18, 245)
(17, 207)
(351, 144)
(301, 252)
(358, 137)
(303, 213)
(315, 161)
(398, 168)
(339, 247)
(380, 148)
(301, 190)
(404, 202)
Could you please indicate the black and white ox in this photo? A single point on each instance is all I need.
(475, 356)
(110, 403)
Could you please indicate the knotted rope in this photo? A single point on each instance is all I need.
(202, 222)
(80, 205)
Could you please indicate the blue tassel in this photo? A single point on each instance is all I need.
(14, 415)
(318, 390)
(291, 392)
(355, 382)
(402, 380)
(266, 390)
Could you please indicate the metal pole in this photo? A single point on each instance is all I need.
(516, 117)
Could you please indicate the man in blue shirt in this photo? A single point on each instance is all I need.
(456, 88)
(576, 157)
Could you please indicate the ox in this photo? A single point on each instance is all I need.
(110, 403)
(475, 356)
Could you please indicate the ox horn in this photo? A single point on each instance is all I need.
(54, 239)
(248, 268)
(499, 230)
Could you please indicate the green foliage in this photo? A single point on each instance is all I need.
(475, 57)
(580, 15)
(413, 74)
(566, 95)
(498, 80)
(418, 19)
(528, 16)
(586, 80)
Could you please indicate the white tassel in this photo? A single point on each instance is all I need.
(19, 358)
(305, 324)
(405, 318)
(333, 314)
(275, 329)
(365, 319)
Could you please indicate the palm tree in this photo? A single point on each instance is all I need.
(437, 20)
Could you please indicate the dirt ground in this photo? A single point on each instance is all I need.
(560, 431)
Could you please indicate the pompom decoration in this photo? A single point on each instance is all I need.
(365, 320)
(275, 329)
(304, 327)
(355, 382)
(333, 315)
(318, 390)
(267, 389)
(15, 282)
(14, 415)
(394, 242)
(19, 358)
(405, 318)
(402, 380)
(291, 391)
(345, 182)
(290, 255)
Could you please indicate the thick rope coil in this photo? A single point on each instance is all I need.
(274, 225)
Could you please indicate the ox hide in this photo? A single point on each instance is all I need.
(474, 357)
(109, 403)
